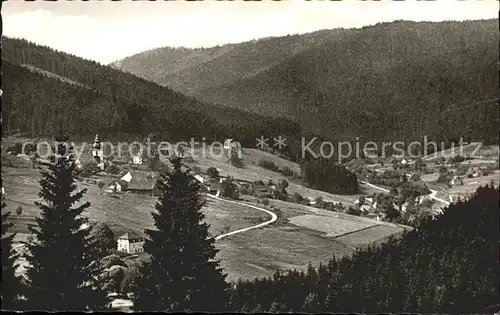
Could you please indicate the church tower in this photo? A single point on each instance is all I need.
(97, 152)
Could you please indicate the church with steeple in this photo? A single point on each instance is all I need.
(97, 152)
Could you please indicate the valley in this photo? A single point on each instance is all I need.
(195, 161)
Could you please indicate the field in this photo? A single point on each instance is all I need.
(486, 153)
(129, 212)
(367, 235)
(331, 226)
(470, 185)
(293, 242)
(252, 172)
(302, 234)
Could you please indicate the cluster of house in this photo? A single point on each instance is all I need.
(369, 206)
(458, 180)
(215, 187)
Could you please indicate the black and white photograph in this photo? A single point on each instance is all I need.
(250, 156)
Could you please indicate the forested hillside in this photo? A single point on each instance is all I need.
(448, 265)
(44, 88)
(193, 70)
(397, 80)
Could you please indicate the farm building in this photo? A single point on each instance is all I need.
(144, 184)
(117, 186)
(130, 243)
(137, 182)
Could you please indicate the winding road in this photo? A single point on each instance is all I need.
(274, 217)
(431, 195)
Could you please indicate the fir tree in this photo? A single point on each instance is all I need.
(11, 285)
(64, 272)
(182, 274)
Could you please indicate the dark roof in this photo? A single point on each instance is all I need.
(130, 236)
(122, 182)
(142, 181)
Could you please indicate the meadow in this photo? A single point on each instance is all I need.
(127, 212)
(302, 234)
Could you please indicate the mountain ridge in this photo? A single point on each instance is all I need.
(40, 93)
(364, 81)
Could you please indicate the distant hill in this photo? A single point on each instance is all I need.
(399, 80)
(194, 70)
(44, 88)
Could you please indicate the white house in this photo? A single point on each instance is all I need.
(130, 243)
(117, 186)
(137, 159)
(404, 162)
(365, 208)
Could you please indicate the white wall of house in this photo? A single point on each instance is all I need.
(136, 247)
(137, 159)
(123, 245)
(129, 247)
(117, 185)
(98, 153)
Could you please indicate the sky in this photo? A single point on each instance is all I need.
(107, 31)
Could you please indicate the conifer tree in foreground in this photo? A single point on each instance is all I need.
(182, 274)
(64, 271)
(11, 285)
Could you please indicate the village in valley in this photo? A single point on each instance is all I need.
(394, 194)
(328, 165)
(254, 199)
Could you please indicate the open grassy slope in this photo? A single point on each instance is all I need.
(289, 243)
